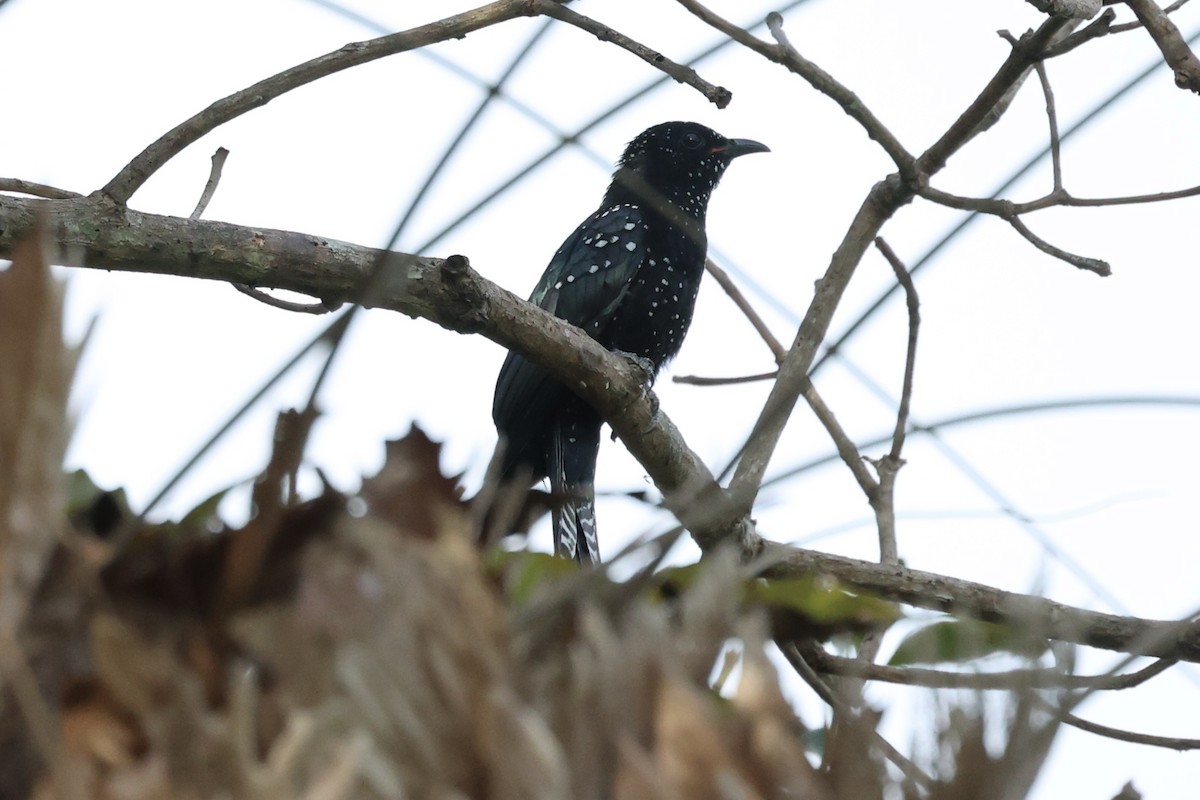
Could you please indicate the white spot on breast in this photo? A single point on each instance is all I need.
(593, 269)
(558, 285)
(570, 279)
(664, 281)
(630, 226)
(602, 243)
(630, 246)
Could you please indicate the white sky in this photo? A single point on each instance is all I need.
(88, 85)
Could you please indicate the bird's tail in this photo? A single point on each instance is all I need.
(572, 468)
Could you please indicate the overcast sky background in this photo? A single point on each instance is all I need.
(1093, 507)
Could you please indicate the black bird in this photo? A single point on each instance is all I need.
(628, 276)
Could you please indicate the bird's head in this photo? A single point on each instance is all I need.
(678, 161)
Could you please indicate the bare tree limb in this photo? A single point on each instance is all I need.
(138, 171)
(1169, 40)
(1155, 638)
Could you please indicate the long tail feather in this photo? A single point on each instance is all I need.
(572, 469)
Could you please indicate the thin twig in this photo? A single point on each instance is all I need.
(913, 304)
(134, 174)
(1052, 116)
(883, 501)
(912, 773)
(784, 53)
(1008, 211)
(36, 189)
(1169, 742)
(573, 138)
(717, 95)
(1006, 208)
(214, 177)
(849, 454)
(1096, 265)
(319, 307)
(739, 300)
(696, 380)
(824, 661)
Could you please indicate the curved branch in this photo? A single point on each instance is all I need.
(717, 95)
(138, 171)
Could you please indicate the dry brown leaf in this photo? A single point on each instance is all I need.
(687, 742)
(410, 490)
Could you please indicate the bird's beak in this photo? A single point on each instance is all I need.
(740, 147)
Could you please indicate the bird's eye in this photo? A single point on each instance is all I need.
(692, 140)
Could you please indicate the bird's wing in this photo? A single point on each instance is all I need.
(583, 284)
(593, 269)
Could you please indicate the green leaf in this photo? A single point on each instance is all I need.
(960, 640)
(825, 601)
(199, 516)
(523, 572)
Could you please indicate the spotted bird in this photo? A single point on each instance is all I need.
(628, 276)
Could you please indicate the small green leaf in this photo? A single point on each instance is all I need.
(960, 640)
(199, 516)
(825, 601)
(523, 572)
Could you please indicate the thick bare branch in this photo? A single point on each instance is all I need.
(1175, 50)
(1155, 638)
